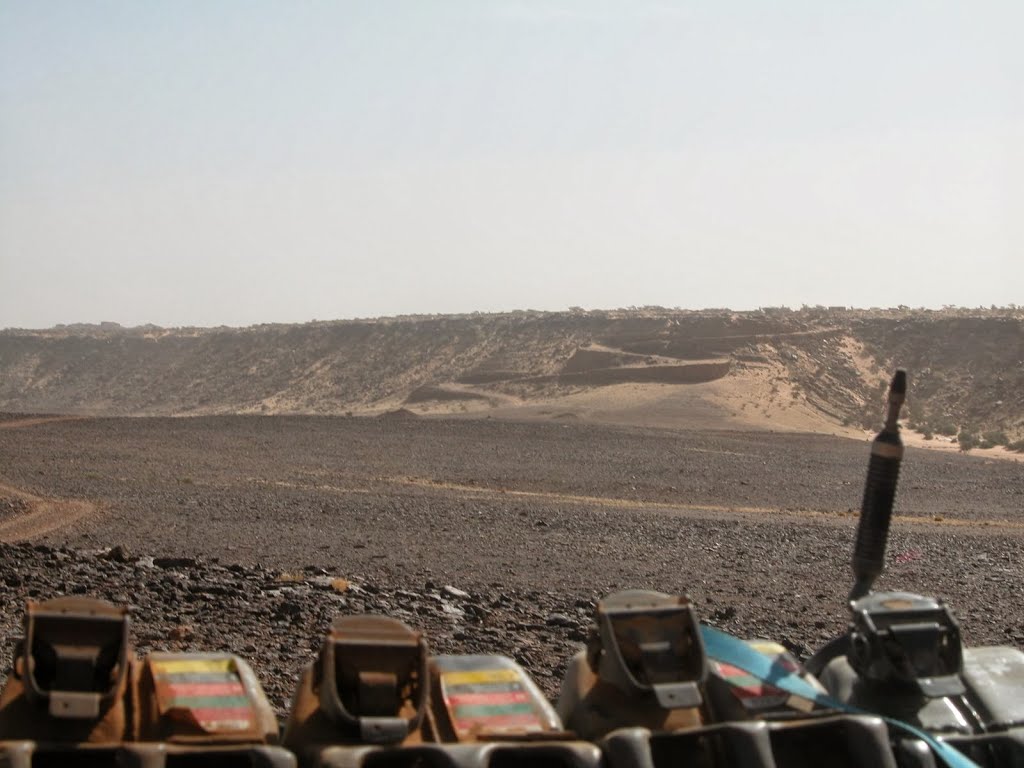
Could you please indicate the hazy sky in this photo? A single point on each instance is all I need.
(206, 163)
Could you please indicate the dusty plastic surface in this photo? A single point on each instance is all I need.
(78, 695)
(487, 697)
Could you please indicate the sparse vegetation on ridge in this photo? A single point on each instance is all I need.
(965, 365)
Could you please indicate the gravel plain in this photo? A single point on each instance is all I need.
(492, 536)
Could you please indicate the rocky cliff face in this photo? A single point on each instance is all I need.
(967, 367)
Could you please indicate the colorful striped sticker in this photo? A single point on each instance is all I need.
(752, 693)
(778, 653)
(784, 659)
(485, 676)
(206, 692)
(491, 700)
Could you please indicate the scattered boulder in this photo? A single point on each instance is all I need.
(117, 554)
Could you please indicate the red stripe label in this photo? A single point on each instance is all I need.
(508, 697)
(756, 691)
(177, 690)
(728, 670)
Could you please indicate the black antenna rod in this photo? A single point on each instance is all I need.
(879, 494)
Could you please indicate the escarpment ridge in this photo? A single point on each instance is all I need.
(815, 369)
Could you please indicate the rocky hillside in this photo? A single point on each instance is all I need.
(967, 366)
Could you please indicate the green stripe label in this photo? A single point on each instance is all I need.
(470, 711)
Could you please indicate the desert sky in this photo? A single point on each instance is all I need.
(230, 162)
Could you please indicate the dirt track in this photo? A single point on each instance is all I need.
(530, 518)
(39, 515)
(14, 422)
(42, 516)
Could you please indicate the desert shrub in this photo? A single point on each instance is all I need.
(944, 426)
(995, 437)
(928, 434)
(1016, 445)
(967, 440)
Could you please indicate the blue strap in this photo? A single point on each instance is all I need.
(731, 650)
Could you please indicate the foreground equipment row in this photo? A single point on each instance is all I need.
(652, 689)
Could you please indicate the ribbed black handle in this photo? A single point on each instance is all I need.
(875, 514)
(879, 495)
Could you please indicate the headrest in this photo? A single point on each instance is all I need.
(651, 642)
(75, 654)
(373, 677)
(898, 637)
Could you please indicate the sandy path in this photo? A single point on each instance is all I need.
(34, 421)
(45, 515)
(712, 511)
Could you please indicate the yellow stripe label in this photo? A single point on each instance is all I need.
(184, 666)
(767, 647)
(481, 676)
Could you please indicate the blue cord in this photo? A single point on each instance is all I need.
(731, 650)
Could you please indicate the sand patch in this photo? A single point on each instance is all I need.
(40, 515)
